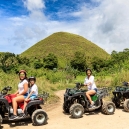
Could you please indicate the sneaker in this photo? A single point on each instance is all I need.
(13, 117)
(92, 104)
(22, 115)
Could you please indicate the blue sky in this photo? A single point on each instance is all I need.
(25, 22)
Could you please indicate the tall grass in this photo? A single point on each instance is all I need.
(50, 81)
(120, 77)
(9, 80)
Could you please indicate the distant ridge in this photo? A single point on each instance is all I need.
(64, 45)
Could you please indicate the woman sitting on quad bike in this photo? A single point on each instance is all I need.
(89, 82)
(32, 94)
(21, 93)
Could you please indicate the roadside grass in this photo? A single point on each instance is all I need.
(45, 85)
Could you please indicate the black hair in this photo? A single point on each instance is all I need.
(89, 70)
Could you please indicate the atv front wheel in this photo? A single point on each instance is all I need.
(66, 110)
(126, 105)
(108, 108)
(1, 119)
(39, 117)
(76, 110)
(116, 101)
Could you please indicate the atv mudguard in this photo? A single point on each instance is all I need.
(3, 100)
(33, 102)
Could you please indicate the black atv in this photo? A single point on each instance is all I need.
(76, 102)
(121, 96)
(33, 108)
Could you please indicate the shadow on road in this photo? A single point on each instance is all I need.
(95, 112)
(12, 124)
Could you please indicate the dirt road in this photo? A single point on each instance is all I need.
(59, 120)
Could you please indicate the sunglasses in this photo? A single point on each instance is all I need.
(22, 75)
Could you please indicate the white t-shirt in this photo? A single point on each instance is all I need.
(91, 80)
(35, 89)
(21, 86)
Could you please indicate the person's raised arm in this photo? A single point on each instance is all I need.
(91, 81)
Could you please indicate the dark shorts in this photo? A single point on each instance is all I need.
(25, 95)
(95, 89)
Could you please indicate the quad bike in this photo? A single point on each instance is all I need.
(33, 108)
(76, 102)
(121, 96)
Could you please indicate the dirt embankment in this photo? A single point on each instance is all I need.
(59, 120)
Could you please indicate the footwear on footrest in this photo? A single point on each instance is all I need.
(22, 115)
(13, 117)
(92, 104)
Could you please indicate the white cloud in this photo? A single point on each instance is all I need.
(34, 4)
(106, 25)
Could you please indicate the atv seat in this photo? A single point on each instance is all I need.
(35, 99)
(93, 95)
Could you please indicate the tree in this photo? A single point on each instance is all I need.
(50, 61)
(8, 61)
(37, 65)
(79, 61)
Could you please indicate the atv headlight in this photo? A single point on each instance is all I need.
(69, 98)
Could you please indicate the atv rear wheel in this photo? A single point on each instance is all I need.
(108, 108)
(66, 110)
(39, 117)
(1, 119)
(126, 105)
(76, 110)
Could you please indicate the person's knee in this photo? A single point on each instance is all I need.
(87, 93)
(14, 100)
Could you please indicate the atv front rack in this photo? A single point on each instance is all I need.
(44, 95)
(105, 91)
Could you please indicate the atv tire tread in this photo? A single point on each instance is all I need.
(105, 108)
(33, 117)
(126, 105)
(72, 108)
(1, 119)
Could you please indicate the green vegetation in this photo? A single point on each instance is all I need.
(60, 60)
(79, 61)
(64, 45)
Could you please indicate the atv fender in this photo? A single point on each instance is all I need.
(100, 96)
(3, 100)
(32, 103)
(76, 95)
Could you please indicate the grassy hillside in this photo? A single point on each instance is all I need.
(64, 45)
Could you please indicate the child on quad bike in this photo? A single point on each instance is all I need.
(21, 93)
(32, 95)
(89, 82)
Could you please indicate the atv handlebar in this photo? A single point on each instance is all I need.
(5, 90)
(125, 83)
(79, 85)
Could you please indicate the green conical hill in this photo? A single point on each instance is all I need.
(64, 45)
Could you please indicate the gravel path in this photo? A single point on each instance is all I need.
(59, 120)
